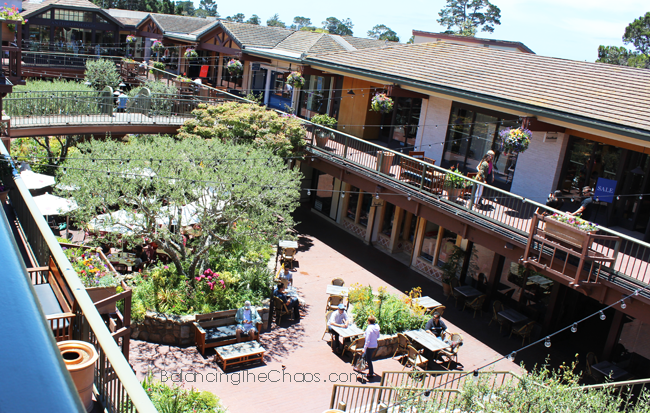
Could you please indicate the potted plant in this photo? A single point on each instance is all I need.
(381, 103)
(569, 228)
(295, 79)
(190, 54)
(235, 67)
(92, 268)
(514, 140)
(451, 268)
(158, 68)
(130, 39)
(11, 13)
(454, 183)
(322, 135)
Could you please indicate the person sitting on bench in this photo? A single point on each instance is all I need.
(246, 318)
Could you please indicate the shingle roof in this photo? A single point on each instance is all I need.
(299, 41)
(180, 24)
(252, 35)
(617, 95)
(476, 40)
(361, 43)
(30, 8)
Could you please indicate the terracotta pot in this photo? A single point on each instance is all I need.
(79, 358)
(386, 162)
(453, 193)
(322, 138)
(446, 289)
(99, 293)
(566, 233)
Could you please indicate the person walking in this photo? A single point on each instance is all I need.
(485, 174)
(372, 335)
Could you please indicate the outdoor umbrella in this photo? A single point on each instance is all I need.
(121, 221)
(50, 204)
(36, 181)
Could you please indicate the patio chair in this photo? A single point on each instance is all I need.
(327, 329)
(333, 302)
(440, 310)
(288, 255)
(280, 310)
(455, 283)
(523, 332)
(356, 348)
(338, 281)
(476, 304)
(415, 360)
(403, 343)
(497, 307)
(452, 353)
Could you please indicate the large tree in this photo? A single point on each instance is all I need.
(152, 187)
(466, 17)
(636, 33)
(275, 21)
(237, 18)
(383, 32)
(300, 22)
(209, 6)
(185, 8)
(340, 27)
(255, 19)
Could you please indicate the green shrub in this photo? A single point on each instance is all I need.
(174, 399)
(40, 97)
(162, 96)
(101, 73)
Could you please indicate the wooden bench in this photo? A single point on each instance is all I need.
(239, 353)
(218, 329)
(55, 298)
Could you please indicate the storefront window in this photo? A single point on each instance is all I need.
(72, 39)
(472, 132)
(389, 217)
(226, 78)
(406, 119)
(104, 38)
(322, 200)
(447, 246)
(39, 35)
(314, 96)
(366, 203)
(429, 240)
(353, 193)
(72, 15)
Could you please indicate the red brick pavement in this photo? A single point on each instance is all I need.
(296, 348)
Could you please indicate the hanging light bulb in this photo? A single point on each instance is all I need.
(408, 198)
(308, 192)
(574, 328)
(637, 292)
(342, 194)
(618, 198)
(512, 356)
(475, 375)
(377, 195)
(602, 315)
(623, 305)
(547, 341)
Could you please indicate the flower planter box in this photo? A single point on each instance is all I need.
(99, 293)
(564, 232)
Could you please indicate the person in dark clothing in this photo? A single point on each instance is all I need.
(554, 201)
(436, 326)
(141, 258)
(586, 206)
(292, 303)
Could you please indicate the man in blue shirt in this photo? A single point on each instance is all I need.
(339, 318)
(289, 301)
(436, 326)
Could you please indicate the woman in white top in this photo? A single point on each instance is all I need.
(372, 335)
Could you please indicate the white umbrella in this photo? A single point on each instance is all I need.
(189, 215)
(50, 204)
(123, 222)
(36, 181)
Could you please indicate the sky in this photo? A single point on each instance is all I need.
(571, 29)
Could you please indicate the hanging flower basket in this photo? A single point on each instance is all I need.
(11, 13)
(295, 79)
(157, 46)
(381, 103)
(514, 140)
(190, 54)
(130, 39)
(235, 67)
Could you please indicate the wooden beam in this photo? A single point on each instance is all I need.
(219, 49)
(398, 92)
(148, 34)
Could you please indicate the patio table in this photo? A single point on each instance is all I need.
(539, 280)
(337, 290)
(606, 369)
(349, 332)
(426, 302)
(239, 353)
(512, 316)
(467, 291)
(426, 340)
(288, 244)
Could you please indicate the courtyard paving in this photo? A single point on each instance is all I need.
(299, 367)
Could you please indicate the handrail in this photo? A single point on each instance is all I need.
(614, 384)
(109, 347)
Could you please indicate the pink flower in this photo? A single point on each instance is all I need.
(209, 277)
(166, 267)
(198, 278)
(223, 284)
(211, 284)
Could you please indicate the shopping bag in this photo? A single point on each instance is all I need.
(361, 365)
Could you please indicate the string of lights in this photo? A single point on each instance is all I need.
(512, 355)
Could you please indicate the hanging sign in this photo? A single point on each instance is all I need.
(605, 190)
(255, 67)
(204, 71)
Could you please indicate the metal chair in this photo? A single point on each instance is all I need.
(355, 347)
(452, 353)
(338, 281)
(455, 283)
(415, 360)
(440, 310)
(497, 307)
(280, 310)
(403, 343)
(327, 328)
(591, 360)
(476, 304)
(523, 332)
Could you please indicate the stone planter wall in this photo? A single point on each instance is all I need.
(172, 329)
(386, 346)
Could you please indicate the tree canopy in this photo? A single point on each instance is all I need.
(237, 18)
(340, 27)
(154, 187)
(209, 6)
(255, 19)
(466, 17)
(275, 21)
(240, 122)
(383, 32)
(185, 8)
(301, 22)
(636, 33)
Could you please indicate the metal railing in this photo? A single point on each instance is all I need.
(62, 59)
(396, 386)
(116, 385)
(627, 392)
